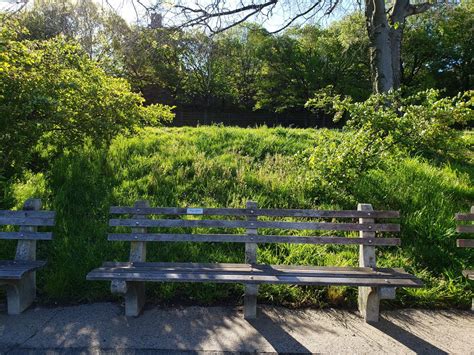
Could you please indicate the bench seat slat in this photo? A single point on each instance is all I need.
(172, 211)
(26, 235)
(465, 243)
(243, 238)
(465, 216)
(260, 274)
(15, 270)
(255, 268)
(26, 221)
(183, 223)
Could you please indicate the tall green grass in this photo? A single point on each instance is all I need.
(224, 167)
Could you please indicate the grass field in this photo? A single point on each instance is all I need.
(224, 167)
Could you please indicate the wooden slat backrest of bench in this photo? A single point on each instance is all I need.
(172, 211)
(140, 219)
(28, 220)
(465, 228)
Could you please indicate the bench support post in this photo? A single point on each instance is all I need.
(22, 293)
(251, 290)
(134, 298)
(135, 291)
(369, 297)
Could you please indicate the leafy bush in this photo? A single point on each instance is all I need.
(53, 95)
(386, 126)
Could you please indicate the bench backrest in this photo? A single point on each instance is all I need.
(28, 220)
(465, 228)
(138, 219)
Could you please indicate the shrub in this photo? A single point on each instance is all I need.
(54, 97)
(386, 126)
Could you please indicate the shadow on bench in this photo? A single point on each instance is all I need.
(374, 283)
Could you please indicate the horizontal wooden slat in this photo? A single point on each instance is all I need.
(15, 270)
(465, 243)
(26, 235)
(465, 229)
(28, 221)
(465, 216)
(469, 274)
(261, 274)
(242, 238)
(256, 268)
(27, 214)
(170, 223)
(174, 211)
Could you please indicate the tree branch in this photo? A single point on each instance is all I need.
(417, 9)
(300, 15)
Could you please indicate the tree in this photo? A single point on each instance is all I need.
(385, 25)
(54, 97)
(438, 50)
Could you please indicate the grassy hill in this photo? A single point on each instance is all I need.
(216, 166)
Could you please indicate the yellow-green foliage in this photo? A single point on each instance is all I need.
(54, 97)
(216, 167)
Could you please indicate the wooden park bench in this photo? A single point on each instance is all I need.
(374, 283)
(19, 275)
(466, 243)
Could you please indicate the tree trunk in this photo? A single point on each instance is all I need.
(385, 36)
(380, 46)
(397, 24)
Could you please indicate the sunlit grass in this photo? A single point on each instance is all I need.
(224, 167)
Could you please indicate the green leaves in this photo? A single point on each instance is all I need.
(54, 97)
(385, 127)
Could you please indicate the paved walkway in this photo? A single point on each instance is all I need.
(102, 328)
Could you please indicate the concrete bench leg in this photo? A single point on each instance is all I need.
(134, 298)
(250, 301)
(21, 294)
(369, 303)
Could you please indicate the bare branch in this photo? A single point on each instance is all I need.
(300, 15)
(418, 9)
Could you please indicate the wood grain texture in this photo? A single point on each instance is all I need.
(465, 243)
(465, 229)
(183, 223)
(14, 221)
(15, 270)
(469, 274)
(243, 238)
(27, 214)
(257, 274)
(26, 235)
(175, 211)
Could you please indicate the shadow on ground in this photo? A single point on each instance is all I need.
(102, 327)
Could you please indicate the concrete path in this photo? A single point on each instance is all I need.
(102, 328)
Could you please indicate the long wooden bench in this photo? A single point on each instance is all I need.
(19, 275)
(466, 243)
(374, 283)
